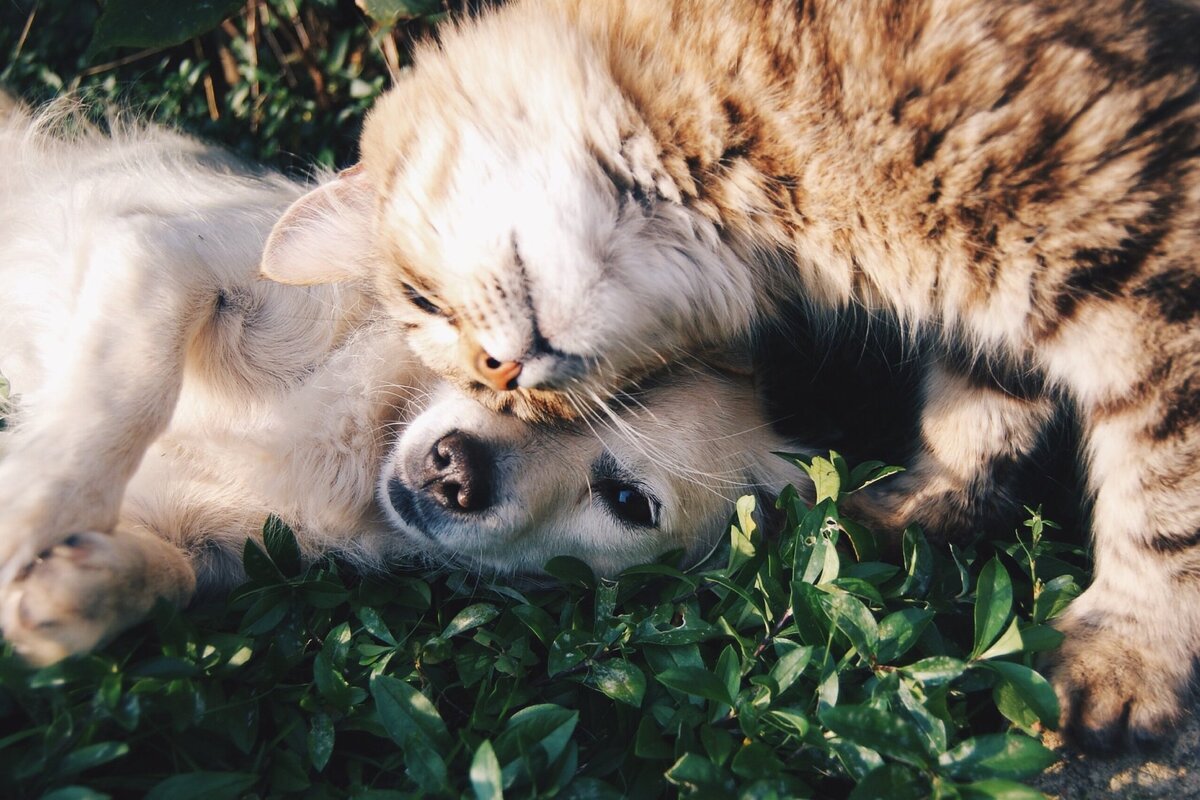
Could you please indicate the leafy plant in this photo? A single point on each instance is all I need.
(802, 665)
(285, 82)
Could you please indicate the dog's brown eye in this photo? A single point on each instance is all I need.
(420, 301)
(628, 503)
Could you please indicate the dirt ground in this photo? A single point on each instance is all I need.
(1172, 773)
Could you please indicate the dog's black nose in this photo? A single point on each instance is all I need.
(457, 473)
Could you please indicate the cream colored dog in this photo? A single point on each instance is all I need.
(166, 400)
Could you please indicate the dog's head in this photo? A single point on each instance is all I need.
(472, 486)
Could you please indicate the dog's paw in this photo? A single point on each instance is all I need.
(1116, 691)
(74, 596)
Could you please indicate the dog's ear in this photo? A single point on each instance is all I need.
(325, 236)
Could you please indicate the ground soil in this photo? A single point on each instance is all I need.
(1171, 772)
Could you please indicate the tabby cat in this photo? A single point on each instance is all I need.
(565, 194)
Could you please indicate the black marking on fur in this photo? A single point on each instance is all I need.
(1173, 544)
(925, 146)
(988, 372)
(539, 343)
(1104, 272)
(1175, 291)
(902, 102)
(935, 193)
(1183, 411)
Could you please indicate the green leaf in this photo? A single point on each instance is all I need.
(1031, 687)
(74, 792)
(537, 620)
(1040, 638)
(389, 12)
(373, 624)
(918, 563)
(320, 740)
(137, 23)
(853, 619)
(867, 473)
(899, 631)
(789, 721)
(885, 733)
(571, 571)
(91, 756)
(469, 618)
(547, 727)
(258, 564)
(693, 770)
(1055, 596)
(620, 680)
(568, 650)
(648, 743)
(997, 756)
(1011, 641)
(827, 481)
(999, 790)
(791, 664)
(935, 670)
(696, 682)
(203, 786)
(755, 760)
(741, 535)
(993, 605)
(891, 782)
(281, 546)
(486, 778)
(413, 723)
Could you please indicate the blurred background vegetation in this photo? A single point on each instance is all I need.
(285, 82)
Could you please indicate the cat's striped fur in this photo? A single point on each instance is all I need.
(577, 191)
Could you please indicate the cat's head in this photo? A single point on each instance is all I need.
(470, 486)
(511, 211)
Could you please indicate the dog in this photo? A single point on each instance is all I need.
(165, 401)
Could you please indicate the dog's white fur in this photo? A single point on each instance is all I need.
(167, 401)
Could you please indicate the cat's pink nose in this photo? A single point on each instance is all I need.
(499, 375)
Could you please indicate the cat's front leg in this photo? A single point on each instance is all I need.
(1125, 668)
(79, 593)
(973, 434)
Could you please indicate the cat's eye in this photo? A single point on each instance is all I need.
(420, 301)
(628, 503)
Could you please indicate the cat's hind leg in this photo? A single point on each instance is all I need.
(974, 434)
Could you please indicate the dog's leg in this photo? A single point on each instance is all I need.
(82, 591)
(109, 392)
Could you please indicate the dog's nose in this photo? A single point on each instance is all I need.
(457, 473)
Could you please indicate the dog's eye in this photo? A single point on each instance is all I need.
(420, 301)
(628, 503)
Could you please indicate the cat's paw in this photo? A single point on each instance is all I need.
(936, 506)
(1116, 691)
(73, 596)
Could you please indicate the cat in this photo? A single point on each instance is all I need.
(561, 196)
(165, 402)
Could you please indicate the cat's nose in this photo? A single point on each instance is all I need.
(499, 375)
(457, 473)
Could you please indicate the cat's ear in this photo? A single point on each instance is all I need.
(325, 236)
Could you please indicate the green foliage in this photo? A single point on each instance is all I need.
(285, 82)
(782, 667)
